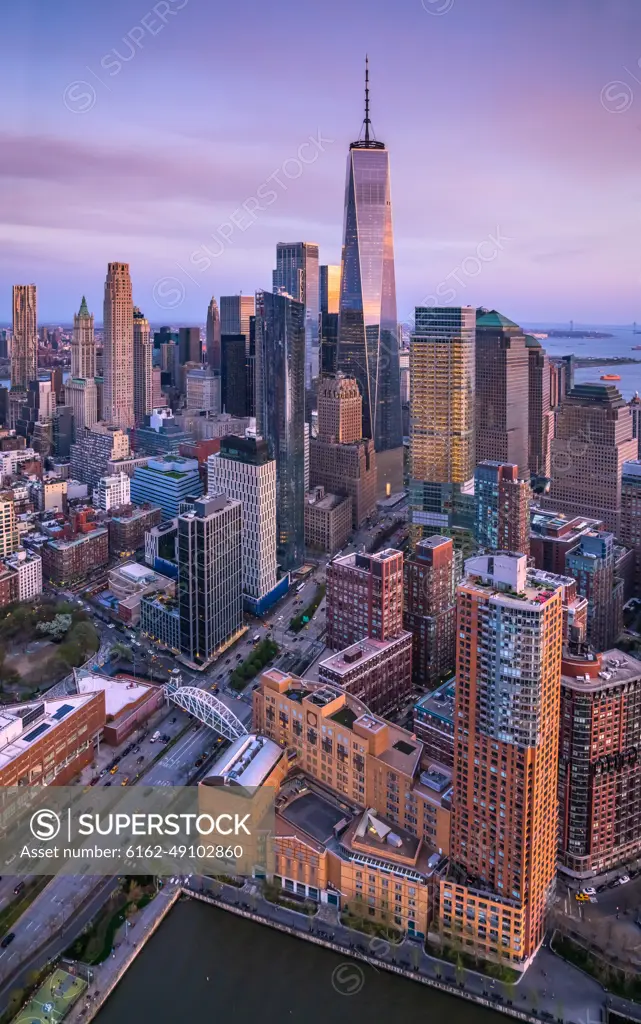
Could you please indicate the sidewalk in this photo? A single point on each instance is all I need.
(129, 941)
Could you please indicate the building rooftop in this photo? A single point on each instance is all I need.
(247, 762)
(119, 693)
(439, 703)
(360, 653)
(495, 319)
(599, 672)
(23, 724)
(314, 815)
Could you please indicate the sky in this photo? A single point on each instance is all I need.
(188, 137)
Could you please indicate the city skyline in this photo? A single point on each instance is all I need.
(105, 184)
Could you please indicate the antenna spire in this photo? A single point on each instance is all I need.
(367, 121)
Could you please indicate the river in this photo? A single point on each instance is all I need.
(206, 964)
(620, 344)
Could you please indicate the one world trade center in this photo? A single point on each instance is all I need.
(368, 330)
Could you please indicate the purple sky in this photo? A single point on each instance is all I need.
(498, 114)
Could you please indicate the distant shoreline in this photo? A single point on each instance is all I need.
(604, 361)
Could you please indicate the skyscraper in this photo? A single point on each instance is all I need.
(189, 345)
(330, 288)
(83, 344)
(502, 392)
(234, 375)
(118, 346)
(235, 311)
(24, 346)
(296, 274)
(280, 413)
(442, 374)
(245, 471)
(212, 336)
(593, 439)
(143, 370)
(504, 804)
(502, 503)
(340, 460)
(540, 414)
(429, 609)
(210, 576)
(367, 338)
(591, 564)
(364, 597)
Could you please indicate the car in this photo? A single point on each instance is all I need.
(125, 781)
(18, 889)
(114, 770)
(623, 880)
(8, 939)
(601, 888)
(588, 891)
(140, 759)
(173, 720)
(581, 897)
(107, 784)
(10, 859)
(613, 884)
(103, 772)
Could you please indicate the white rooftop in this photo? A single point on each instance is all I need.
(119, 693)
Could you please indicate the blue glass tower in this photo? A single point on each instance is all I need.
(368, 329)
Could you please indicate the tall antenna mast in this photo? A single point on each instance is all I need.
(367, 121)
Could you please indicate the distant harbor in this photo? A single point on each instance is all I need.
(578, 334)
(605, 360)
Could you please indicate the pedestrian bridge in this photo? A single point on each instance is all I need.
(209, 710)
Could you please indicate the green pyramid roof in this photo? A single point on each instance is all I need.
(495, 319)
(83, 311)
(531, 341)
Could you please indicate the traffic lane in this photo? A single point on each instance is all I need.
(620, 897)
(130, 764)
(175, 767)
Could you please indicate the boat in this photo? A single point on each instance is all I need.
(636, 348)
(610, 376)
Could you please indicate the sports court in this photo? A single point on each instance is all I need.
(53, 1000)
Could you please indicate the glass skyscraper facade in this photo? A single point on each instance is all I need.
(280, 412)
(296, 274)
(368, 330)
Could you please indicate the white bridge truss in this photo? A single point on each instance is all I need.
(209, 710)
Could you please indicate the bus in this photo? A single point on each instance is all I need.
(301, 586)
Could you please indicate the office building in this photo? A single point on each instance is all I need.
(24, 338)
(280, 414)
(429, 609)
(235, 313)
(442, 374)
(553, 534)
(37, 408)
(166, 482)
(593, 439)
(210, 577)
(329, 344)
(159, 434)
(330, 288)
(378, 672)
(502, 392)
(118, 348)
(340, 460)
(592, 564)
(234, 381)
(82, 398)
(296, 274)
(143, 379)
(504, 806)
(202, 389)
(8, 524)
(47, 742)
(212, 337)
(245, 471)
(540, 412)
(635, 409)
(112, 492)
(364, 597)
(599, 770)
(161, 542)
(27, 566)
(367, 339)
(95, 447)
(502, 503)
(434, 723)
(160, 620)
(128, 527)
(62, 432)
(190, 347)
(328, 520)
(630, 530)
(83, 344)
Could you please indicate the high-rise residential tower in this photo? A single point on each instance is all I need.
(83, 344)
(364, 597)
(429, 608)
(368, 329)
(296, 274)
(442, 374)
(212, 337)
(502, 504)
(143, 369)
(210, 576)
(504, 803)
(502, 392)
(245, 471)
(280, 413)
(24, 345)
(118, 348)
(593, 439)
